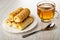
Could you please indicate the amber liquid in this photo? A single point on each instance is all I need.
(46, 11)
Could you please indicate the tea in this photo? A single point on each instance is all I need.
(46, 11)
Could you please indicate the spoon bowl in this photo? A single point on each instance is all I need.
(49, 27)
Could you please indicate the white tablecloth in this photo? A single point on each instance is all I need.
(8, 5)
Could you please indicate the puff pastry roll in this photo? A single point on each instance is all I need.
(8, 22)
(24, 24)
(22, 15)
(14, 25)
(14, 13)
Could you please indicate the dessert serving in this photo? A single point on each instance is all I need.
(22, 15)
(14, 13)
(19, 19)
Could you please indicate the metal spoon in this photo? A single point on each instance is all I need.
(49, 27)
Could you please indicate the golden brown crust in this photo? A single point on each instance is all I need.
(14, 13)
(25, 23)
(8, 22)
(22, 15)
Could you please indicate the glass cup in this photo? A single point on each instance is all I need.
(46, 10)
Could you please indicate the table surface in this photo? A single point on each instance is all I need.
(6, 6)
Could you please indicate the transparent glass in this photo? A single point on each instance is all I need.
(46, 10)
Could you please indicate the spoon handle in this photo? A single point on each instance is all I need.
(26, 35)
(45, 29)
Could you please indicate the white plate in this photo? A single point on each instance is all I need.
(12, 5)
(12, 30)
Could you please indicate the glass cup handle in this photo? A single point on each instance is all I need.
(56, 14)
